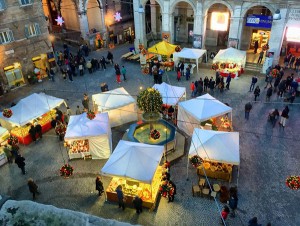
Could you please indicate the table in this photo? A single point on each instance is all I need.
(126, 55)
(215, 174)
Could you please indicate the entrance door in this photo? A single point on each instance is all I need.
(190, 28)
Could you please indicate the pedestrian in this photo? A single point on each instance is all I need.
(63, 71)
(78, 111)
(66, 118)
(20, 161)
(85, 102)
(199, 89)
(99, 186)
(69, 111)
(121, 197)
(89, 66)
(248, 108)
(228, 80)
(38, 129)
(110, 57)
(255, 46)
(103, 63)
(188, 73)
(33, 188)
(211, 85)
(284, 116)
(269, 80)
(205, 83)
(292, 61)
(286, 61)
(32, 133)
(273, 116)
(181, 67)
(292, 96)
(8, 153)
(261, 56)
(224, 214)
(123, 71)
(118, 73)
(256, 92)
(178, 74)
(69, 72)
(276, 83)
(53, 123)
(218, 80)
(80, 68)
(51, 74)
(172, 191)
(269, 93)
(253, 222)
(233, 201)
(192, 87)
(138, 204)
(253, 82)
(155, 74)
(221, 86)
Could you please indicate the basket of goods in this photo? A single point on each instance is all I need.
(177, 49)
(275, 73)
(214, 67)
(196, 161)
(66, 170)
(12, 140)
(7, 113)
(154, 134)
(213, 168)
(90, 115)
(145, 71)
(206, 165)
(144, 51)
(293, 182)
(222, 65)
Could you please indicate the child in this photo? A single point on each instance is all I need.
(224, 213)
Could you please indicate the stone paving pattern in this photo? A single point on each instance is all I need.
(267, 155)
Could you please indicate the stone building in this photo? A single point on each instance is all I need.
(23, 41)
(220, 23)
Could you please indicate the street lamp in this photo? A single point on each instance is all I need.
(277, 15)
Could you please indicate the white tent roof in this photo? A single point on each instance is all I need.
(135, 161)
(3, 131)
(112, 99)
(231, 55)
(32, 107)
(204, 107)
(170, 94)
(81, 127)
(216, 146)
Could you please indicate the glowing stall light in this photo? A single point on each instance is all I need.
(292, 34)
(219, 21)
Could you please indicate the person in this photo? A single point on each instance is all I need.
(32, 133)
(20, 161)
(8, 153)
(123, 71)
(38, 129)
(253, 82)
(211, 85)
(273, 116)
(224, 213)
(59, 114)
(85, 102)
(171, 111)
(110, 57)
(138, 204)
(284, 116)
(69, 111)
(118, 73)
(33, 188)
(120, 196)
(228, 80)
(269, 93)
(66, 118)
(172, 191)
(99, 186)
(292, 60)
(53, 123)
(256, 92)
(103, 63)
(261, 56)
(192, 87)
(178, 74)
(51, 75)
(78, 111)
(248, 108)
(233, 201)
(80, 67)
(181, 67)
(206, 83)
(253, 222)
(89, 66)
(188, 73)
(255, 46)
(269, 80)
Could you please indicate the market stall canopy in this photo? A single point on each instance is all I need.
(216, 146)
(3, 134)
(135, 161)
(32, 107)
(97, 131)
(192, 112)
(170, 94)
(162, 48)
(231, 55)
(188, 53)
(120, 106)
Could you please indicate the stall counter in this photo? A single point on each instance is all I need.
(216, 173)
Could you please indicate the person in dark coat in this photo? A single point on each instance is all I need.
(53, 123)
(253, 222)
(284, 116)
(32, 133)
(228, 80)
(33, 188)
(110, 57)
(255, 46)
(38, 129)
(206, 83)
(273, 117)
(99, 186)
(269, 93)
(172, 191)
(248, 108)
(120, 196)
(20, 161)
(211, 84)
(59, 114)
(138, 204)
(233, 202)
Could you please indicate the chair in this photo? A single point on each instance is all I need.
(216, 187)
(201, 182)
(196, 190)
(213, 194)
(205, 192)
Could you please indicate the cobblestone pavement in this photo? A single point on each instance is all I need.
(268, 156)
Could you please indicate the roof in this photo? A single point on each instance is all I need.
(170, 94)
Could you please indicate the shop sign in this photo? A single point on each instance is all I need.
(259, 21)
(294, 16)
(219, 21)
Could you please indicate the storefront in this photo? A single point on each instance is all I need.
(14, 75)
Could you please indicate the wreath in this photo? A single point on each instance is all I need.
(154, 134)
(13, 140)
(214, 67)
(177, 49)
(144, 51)
(293, 182)
(60, 128)
(145, 71)
(196, 161)
(164, 188)
(7, 113)
(275, 73)
(222, 65)
(66, 170)
(90, 115)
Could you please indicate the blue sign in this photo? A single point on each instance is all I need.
(260, 21)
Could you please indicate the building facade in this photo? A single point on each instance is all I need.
(236, 23)
(23, 41)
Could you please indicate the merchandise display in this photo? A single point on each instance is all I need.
(78, 146)
(216, 170)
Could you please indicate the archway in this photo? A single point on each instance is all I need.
(94, 15)
(153, 19)
(50, 11)
(68, 11)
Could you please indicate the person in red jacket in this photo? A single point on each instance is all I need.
(224, 213)
(192, 87)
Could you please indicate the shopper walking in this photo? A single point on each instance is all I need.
(253, 82)
(120, 196)
(256, 92)
(138, 204)
(205, 83)
(172, 191)
(228, 80)
(110, 57)
(32, 133)
(269, 93)
(33, 188)
(192, 87)
(284, 116)
(248, 108)
(233, 201)
(118, 73)
(224, 214)
(20, 161)
(261, 56)
(123, 71)
(178, 74)
(38, 129)
(99, 186)
(85, 102)
(255, 46)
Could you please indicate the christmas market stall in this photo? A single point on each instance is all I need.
(121, 107)
(219, 153)
(230, 61)
(4, 135)
(34, 108)
(134, 166)
(88, 136)
(203, 112)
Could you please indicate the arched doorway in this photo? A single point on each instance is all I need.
(217, 25)
(94, 15)
(50, 11)
(68, 10)
(153, 18)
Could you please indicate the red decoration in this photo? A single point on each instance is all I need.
(214, 67)
(90, 115)
(145, 71)
(275, 73)
(60, 128)
(177, 49)
(196, 161)
(12, 140)
(66, 170)
(7, 113)
(293, 182)
(154, 134)
(222, 65)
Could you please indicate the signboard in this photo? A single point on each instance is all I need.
(219, 21)
(197, 43)
(292, 34)
(233, 42)
(261, 21)
(294, 17)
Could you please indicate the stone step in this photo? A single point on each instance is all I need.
(253, 67)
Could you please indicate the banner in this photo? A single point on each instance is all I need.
(233, 42)
(259, 21)
(197, 43)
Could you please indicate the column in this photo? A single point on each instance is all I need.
(139, 26)
(236, 24)
(153, 17)
(83, 21)
(199, 22)
(103, 26)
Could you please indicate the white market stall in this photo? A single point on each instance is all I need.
(219, 151)
(135, 166)
(205, 108)
(38, 107)
(85, 137)
(189, 53)
(4, 134)
(171, 95)
(121, 107)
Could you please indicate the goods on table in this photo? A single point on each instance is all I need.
(78, 146)
(214, 166)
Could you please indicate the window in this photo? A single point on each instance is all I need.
(32, 30)
(6, 36)
(26, 2)
(2, 5)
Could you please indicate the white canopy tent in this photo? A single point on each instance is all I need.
(188, 53)
(231, 55)
(3, 134)
(121, 107)
(96, 131)
(171, 95)
(134, 161)
(30, 108)
(192, 112)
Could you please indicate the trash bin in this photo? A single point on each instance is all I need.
(104, 87)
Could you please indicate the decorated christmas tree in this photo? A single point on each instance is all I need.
(149, 100)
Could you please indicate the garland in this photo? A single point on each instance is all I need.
(60, 128)
(275, 73)
(214, 67)
(177, 49)
(196, 161)
(66, 170)
(154, 134)
(13, 140)
(7, 113)
(90, 115)
(293, 182)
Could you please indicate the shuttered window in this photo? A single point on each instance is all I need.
(26, 2)
(32, 30)
(6, 36)
(2, 5)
